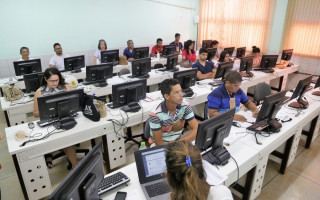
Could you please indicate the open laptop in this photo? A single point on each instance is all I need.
(151, 167)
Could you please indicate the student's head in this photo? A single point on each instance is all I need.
(214, 44)
(189, 46)
(224, 56)
(255, 49)
(102, 45)
(24, 52)
(177, 37)
(57, 48)
(203, 54)
(233, 81)
(187, 179)
(52, 78)
(171, 91)
(159, 42)
(130, 44)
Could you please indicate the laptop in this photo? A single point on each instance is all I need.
(151, 167)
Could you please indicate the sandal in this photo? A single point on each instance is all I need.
(48, 158)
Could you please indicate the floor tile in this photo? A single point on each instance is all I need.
(272, 171)
(10, 188)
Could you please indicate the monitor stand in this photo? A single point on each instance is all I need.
(142, 76)
(218, 156)
(300, 104)
(101, 84)
(244, 74)
(76, 70)
(131, 107)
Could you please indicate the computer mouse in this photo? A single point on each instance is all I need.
(236, 124)
(31, 125)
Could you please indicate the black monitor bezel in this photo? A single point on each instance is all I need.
(174, 57)
(246, 67)
(80, 57)
(222, 69)
(17, 65)
(285, 53)
(113, 52)
(103, 65)
(230, 50)
(141, 49)
(206, 44)
(171, 48)
(268, 59)
(243, 49)
(134, 66)
(180, 75)
(27, 77)
(301, 87)
(211, 53)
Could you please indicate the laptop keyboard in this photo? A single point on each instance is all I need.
(216, 82)
(157, 189)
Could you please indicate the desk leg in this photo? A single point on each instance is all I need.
(311, 132)
(7, 118)
(280, 85)
(286, 154)
(23, 187)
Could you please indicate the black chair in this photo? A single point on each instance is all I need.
(131, 137)
(261, 90)
(124, 71)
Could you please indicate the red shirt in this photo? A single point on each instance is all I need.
(191, 57)
(156, 50)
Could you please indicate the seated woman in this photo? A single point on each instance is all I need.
(186, 176)
(189, 52)
(256, 56)
(53, 82)
(224, 57)
(102, 46)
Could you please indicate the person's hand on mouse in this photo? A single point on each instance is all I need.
(255, 113)
(239, 118)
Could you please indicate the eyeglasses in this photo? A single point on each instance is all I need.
(53, 81)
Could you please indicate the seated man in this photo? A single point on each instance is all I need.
(157, 48)
(206, 69)
(128, 52)
(24, 52)
(230, 95)
(58, 59)
(179, 46)
(168, 118)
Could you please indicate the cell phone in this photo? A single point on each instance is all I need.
(120, 196)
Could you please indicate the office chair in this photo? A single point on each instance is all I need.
(146, 131)
(131, 137)
(261, 90)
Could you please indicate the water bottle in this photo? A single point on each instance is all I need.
(142, 146)
(158, 56)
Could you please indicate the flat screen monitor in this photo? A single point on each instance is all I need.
(246, 64)
(187, 78)
(60, 105)
(27, 67)
(241, 51)
(141, 52)
(74, 63)
(168, 50)
(211, 134)
(270, 106)
(32, 81)
(223, 68)
(83, 181)
(206, 44)
(230, 50)
(287, 54)
(141, 67)
(99, 73)
(211, 53)
(172, 61)
(268, 61)
(128, 92)
(301, 89)
(110, 56)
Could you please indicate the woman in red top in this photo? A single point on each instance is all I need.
(188, 52)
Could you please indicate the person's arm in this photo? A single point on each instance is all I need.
(68, 88)
(157, 137)
(95, 58)
(51, 62)
(252, 107)
(35, 103)
(193, 123)
(213, 112)
(213, 73)
(202, 76)
(184, 55)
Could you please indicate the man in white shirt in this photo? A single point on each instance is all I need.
(24, 52)
(58, 59)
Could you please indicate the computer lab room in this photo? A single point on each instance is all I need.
(160, 100)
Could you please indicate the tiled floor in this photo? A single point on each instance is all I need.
(301, 180)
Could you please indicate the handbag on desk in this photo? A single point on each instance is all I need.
(89, 110)
(12, 92)
(186, 64)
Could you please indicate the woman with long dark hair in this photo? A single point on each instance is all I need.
(189, 52)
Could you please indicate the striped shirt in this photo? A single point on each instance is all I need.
(161, 119)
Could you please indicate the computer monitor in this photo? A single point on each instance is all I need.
(74, 63)
(83, 181)
(317, 84)
(246, 65)
(110, 56)
(99, 73)
(241, 51)
(168, 50)
(187, 78)
(268, 61)
(211, 53)
(141, 67)
(172, 61)
(230, 50)
(287, 54)
(141, 52)
(206, 44)
(299, 92)
(61, 107)
(223, 68)
(211, 134)
(128, 92)
(27, 67)
(32, 82)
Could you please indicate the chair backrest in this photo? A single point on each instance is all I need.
(158, 66)
(261, 90)
(146, 132)
(124, 71)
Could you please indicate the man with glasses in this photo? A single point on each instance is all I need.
(229, 95)
(58, 59)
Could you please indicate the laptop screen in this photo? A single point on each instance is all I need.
(154, 162)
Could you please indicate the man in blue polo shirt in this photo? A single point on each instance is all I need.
(179, 46)
(206, 69)
(128, 52)
(230, 95)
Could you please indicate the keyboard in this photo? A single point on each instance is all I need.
(216, 82)
(157, 189)
(258, 126)
(47, 122)
(111, 182)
